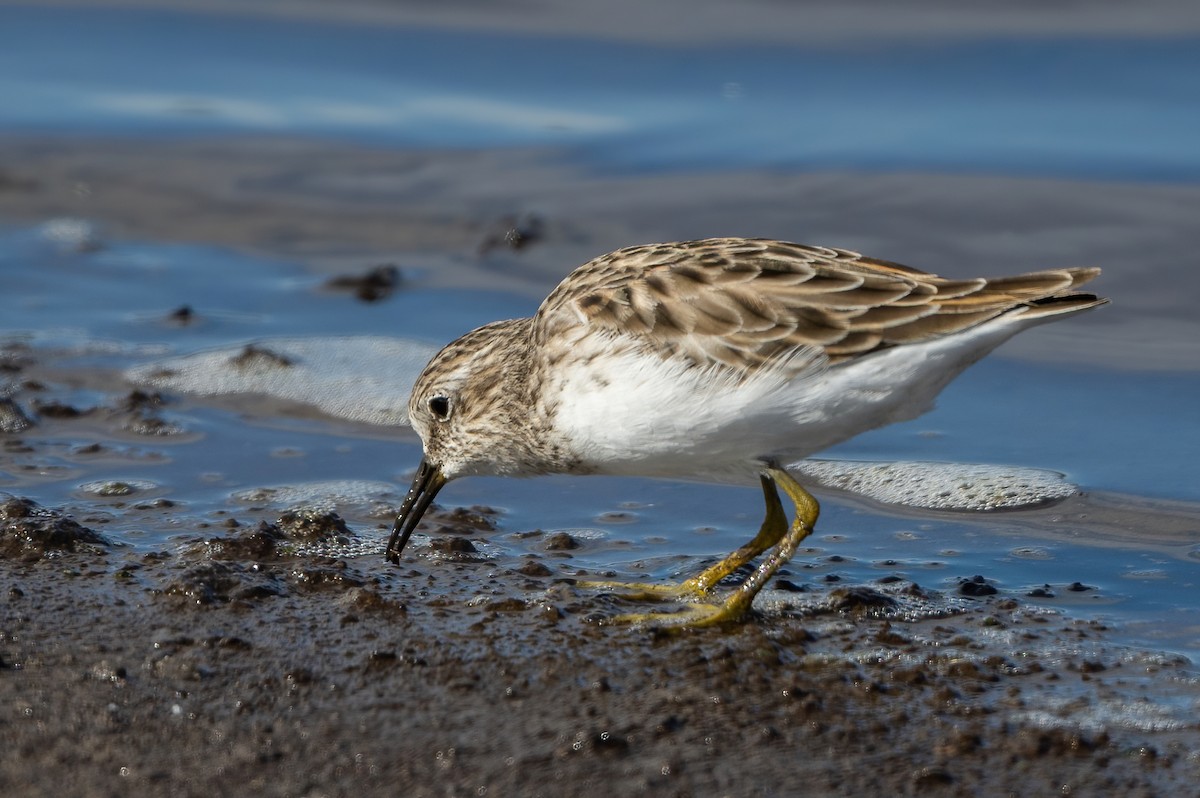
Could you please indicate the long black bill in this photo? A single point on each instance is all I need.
(425, 486)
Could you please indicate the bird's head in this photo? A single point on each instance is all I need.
(470, 408)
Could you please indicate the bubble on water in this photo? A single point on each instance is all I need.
(941, 486)
(1032, 553)
(358, 496)
(115, 488)
(69, 233)
(1147, 573)
(363, 378)
(1105, 714)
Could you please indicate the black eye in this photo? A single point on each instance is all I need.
(440, 407)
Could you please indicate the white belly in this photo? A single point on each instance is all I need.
(635, 414)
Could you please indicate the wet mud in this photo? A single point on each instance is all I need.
(237, 661)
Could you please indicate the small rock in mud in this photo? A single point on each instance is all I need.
(534, 568)
(859, 599)
(269, 541)
(365, 599)
(115, 488)
(465, 520)
(182, 315)
(219, 583)
(976, 586)
(151, 425)
(324, 575)
(52, 408)
(377, 283)
(28, 531)
(15, 357)
(561, 541)
(138, 412)
(140, 400)
(254, 357)
(158, 504)
(314, 526)
(216, 583)
(616, 517)
(507, 605)
(259, 544)
(455, 548)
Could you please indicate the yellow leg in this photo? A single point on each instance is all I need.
(772, 533)
(774, 526)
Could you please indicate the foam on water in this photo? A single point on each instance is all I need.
(941, 486)
(363, 378)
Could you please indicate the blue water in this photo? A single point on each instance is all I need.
(1092, 107)
(236, 297)
(1108, 430)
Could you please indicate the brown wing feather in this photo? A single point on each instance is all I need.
(746, 302)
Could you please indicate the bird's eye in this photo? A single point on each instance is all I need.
(440, 407)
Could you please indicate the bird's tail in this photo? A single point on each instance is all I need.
(1049, 293)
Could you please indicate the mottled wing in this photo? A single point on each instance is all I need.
(744, 303)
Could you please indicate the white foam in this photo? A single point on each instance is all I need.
(374, 499)
(940, 486)
(364, 378)
(69, 233)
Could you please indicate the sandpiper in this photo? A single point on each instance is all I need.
(722, 359)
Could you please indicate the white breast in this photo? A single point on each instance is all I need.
(627, 412)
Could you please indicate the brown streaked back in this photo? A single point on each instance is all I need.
(742, 303)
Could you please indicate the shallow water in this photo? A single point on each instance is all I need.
(89, 304)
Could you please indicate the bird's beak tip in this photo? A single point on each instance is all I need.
(426, 484)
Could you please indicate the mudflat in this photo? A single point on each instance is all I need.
(234, 664)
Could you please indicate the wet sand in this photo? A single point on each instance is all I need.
(235, 665)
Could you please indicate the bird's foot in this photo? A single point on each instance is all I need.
(690, 589)
(697, 615)
(697, 610)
